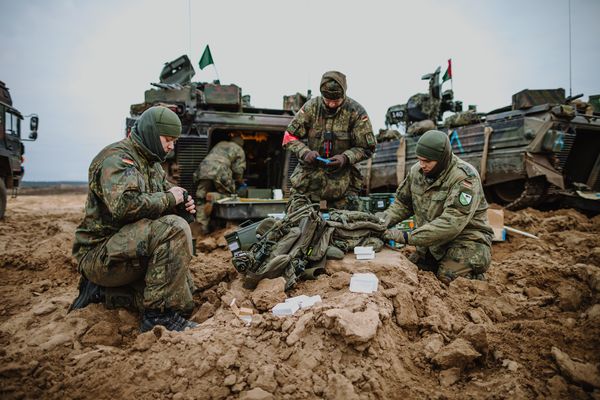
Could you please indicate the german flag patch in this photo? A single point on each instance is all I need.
(467, 184)
(128, 161)
(364, 118)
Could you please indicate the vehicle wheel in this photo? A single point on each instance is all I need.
(2, 197)
(508, 192)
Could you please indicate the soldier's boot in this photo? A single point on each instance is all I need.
(171, 320)
(89, 293)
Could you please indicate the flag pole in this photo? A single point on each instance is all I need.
(216, 72)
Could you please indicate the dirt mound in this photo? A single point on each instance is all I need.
(532, 330)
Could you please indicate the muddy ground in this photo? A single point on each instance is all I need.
(531, 331)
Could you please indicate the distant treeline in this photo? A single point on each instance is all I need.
(52, 187)
(38, 184)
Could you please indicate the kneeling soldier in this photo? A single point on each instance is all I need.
(444, 193)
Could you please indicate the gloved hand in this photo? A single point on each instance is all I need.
(384, 217)
(338, 161)
(310, 157)
(394, 234)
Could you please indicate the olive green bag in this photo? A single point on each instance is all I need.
(293, 247)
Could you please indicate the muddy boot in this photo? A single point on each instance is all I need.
(169, 319)
(89, 293)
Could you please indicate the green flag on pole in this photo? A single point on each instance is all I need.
(206, 58)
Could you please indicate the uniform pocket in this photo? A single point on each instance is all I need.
(342, 142)
(130, 244)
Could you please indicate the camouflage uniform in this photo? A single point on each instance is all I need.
(352, 137)
(453, 234)
(223, 166)
(128, 235)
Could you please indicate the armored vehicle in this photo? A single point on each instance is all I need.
(11, 145)
(210, 112)
(543, 148)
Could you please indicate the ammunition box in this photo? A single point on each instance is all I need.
(381, 201)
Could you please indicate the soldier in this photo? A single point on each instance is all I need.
(444, 193)
(222, 168)
(130, 240)
(336, 128)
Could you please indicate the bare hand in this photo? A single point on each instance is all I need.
(337, 161)
(190, 206)
(178, 193)
(310, 157)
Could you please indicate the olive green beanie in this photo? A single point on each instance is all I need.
(153, 123)
(167, 122)
(435, 145)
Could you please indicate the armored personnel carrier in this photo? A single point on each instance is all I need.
(12, 148)
(211, 112)
(542, 148)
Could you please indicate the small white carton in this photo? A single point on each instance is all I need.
(369, 256)
(304, 301)
(286, 308)
(363, 283)
(363, 250)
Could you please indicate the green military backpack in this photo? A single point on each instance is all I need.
(293, 247)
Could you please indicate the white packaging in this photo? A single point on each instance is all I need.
(367, 256)
(287, 308)
(304, 301)
(363, 250)
(277, 194)
(363, 283)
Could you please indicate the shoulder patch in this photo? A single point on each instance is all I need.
(465, 198)
(128, 161)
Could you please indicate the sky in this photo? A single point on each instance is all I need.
(79, 65)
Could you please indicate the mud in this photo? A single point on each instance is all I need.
(532, 330)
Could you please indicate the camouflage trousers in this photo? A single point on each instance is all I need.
(148, 258)
(313, 184)
(204, 208)
(467, 259)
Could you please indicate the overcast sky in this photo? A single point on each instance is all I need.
(80, 64)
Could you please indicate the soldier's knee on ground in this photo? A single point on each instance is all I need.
(172, 227)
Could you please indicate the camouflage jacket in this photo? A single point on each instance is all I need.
(123, 188)
(453, 207)
(225, 163)
(353, 134)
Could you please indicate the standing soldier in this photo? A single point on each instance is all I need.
(330, 134)
(444, 193)
(130, 240)
(222, 168)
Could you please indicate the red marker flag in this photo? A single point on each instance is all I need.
(448, 73)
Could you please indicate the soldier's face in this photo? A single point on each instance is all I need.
(168, 143)
(426, 165)
(333, 104)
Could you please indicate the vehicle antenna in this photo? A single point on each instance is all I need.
(570, 73)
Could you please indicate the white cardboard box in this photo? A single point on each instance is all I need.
(363, 250)
(363, 283)
(286, 308)
(368, 256)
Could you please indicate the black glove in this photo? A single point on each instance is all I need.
(338, 161)
(396, 235)
(310, 157)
